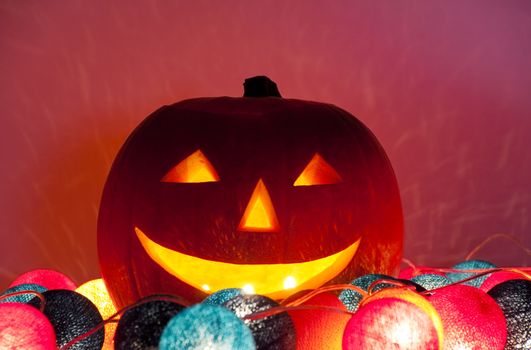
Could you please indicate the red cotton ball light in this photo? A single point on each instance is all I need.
(471, 319)
(500, 277)
(390, 323)
(24, 327)
(50, 279)
(316, 328)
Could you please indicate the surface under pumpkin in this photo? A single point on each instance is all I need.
(263, 193)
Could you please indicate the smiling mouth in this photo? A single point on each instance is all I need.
(278, 281)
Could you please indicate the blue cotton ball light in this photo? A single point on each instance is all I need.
(30, 288)
(206, 326)
(222, 296)
(351, 298)
(431, 281)
(470, 265)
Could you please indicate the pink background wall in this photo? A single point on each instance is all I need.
(445, 85)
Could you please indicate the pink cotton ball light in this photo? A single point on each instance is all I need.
(24, 327)
(50, 279)
(390, 323)
(471, 318)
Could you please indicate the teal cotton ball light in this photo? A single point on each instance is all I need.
(351, 298)
(470, 265)
(206, 326)
(29, 289)
(431, 281)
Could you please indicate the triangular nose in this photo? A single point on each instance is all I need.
(259, 216)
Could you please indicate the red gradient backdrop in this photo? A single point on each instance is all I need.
(445, 86)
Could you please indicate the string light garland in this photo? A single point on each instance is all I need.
(406, 298)
(443, 316)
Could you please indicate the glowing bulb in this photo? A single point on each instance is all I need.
(205, 287)
(290, 283)
(96, 291)
(248, 289)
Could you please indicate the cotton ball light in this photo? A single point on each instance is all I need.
(96, 292)
(24, 327)
(141, 327)
(50, 279)
(471, 319)
(206, 326)
(72, 315)
(29, 288)
(498, 277)
(318, 329)
(222, 296)
(351, 298)
(271, 332)
(470, 265)
(514, 298)
(431, 281)
(390, 323)
(406, 294)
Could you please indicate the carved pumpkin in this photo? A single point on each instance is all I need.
(263, 193)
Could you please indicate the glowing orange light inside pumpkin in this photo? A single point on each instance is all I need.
(260, 214)
(277, 281)
(195, 168)
(96, 292)
(318, 172)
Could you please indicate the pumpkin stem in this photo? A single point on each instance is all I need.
(260, 86)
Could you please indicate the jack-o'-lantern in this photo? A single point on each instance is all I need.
(259, 192)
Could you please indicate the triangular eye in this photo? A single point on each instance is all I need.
(193, 169)
(318, 172)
